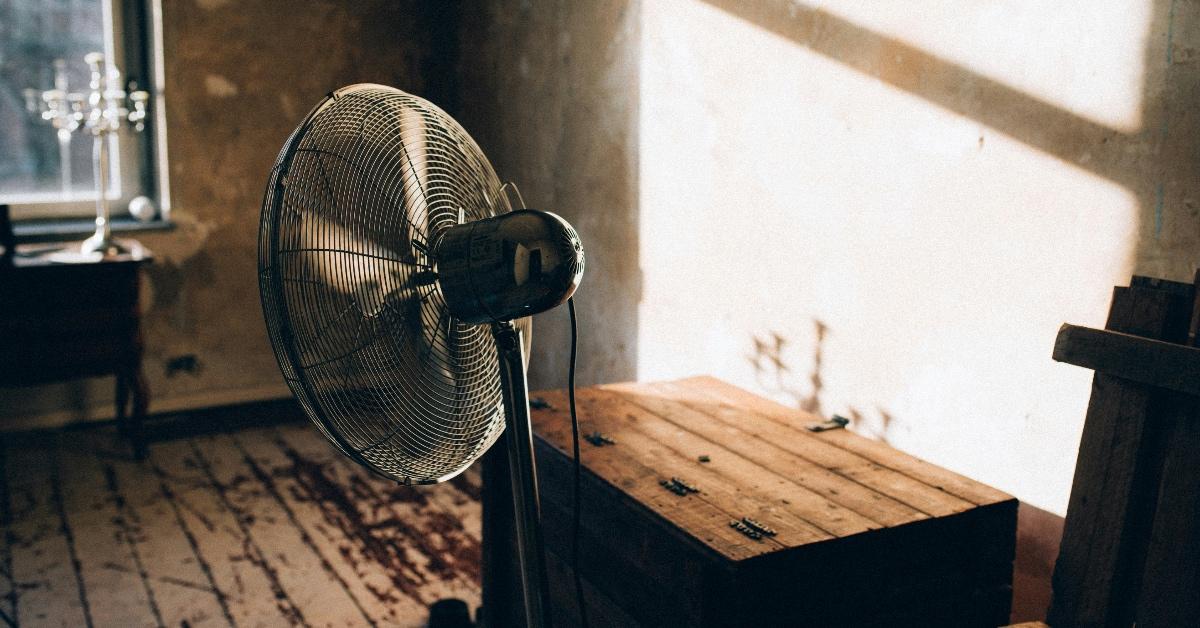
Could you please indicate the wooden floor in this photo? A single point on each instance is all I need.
(259, 527)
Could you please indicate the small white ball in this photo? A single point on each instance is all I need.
(143, 209)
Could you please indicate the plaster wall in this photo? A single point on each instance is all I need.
(239, 77)
(885, 210)
(549, 91)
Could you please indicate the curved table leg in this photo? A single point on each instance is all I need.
(129, 420)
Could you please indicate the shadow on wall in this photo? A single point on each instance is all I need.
(1156, 163)
(776, 376)
(574, 153)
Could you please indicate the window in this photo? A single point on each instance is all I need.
(46, 173)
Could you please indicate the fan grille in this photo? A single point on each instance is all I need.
(358, 197)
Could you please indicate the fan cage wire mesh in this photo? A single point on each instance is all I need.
(355, 204)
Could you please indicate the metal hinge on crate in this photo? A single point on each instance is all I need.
(752, 528)
(746, 530)
(760, 528)
(678, 486)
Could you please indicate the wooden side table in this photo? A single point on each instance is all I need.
(64, 321)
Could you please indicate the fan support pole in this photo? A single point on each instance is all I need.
(523, 474)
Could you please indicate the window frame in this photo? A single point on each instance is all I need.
(133, 37)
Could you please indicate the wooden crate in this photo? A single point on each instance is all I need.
(865, 535)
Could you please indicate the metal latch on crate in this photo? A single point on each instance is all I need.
(836, 423)
(599, 440)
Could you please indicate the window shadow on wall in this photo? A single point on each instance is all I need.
(778, 376)
(1158, 163)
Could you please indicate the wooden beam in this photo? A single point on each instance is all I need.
(1135, 358)
(1100, 560)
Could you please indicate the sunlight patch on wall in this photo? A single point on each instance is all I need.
(930, 259)
(1084, 56)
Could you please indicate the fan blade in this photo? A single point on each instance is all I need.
(348, 263)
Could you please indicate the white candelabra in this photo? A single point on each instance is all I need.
(98, 112)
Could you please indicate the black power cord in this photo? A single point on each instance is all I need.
(578, 469)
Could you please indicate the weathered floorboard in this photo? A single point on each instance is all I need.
(183, 589)
(414, 532)
(262, 527)
(365, 580)
(308, 580)
(251, 591)
(113, 572)
(46, 579)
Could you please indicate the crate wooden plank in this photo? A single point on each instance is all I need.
(44, 569)
(602, 612)
(1109, 513)
(645, 444)
(665, 401)
(252, 592)
(652, 565)
(303, 571)
(794, 494)
(801, 443)
(874, 451)
(961, 563)
(938, 547)
(639, 565)
(113, 571)
(616, 467)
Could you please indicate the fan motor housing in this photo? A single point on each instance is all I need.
(509, 266)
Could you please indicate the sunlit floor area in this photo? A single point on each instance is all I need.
(267, 526)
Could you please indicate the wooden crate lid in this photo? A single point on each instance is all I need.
(762, 463)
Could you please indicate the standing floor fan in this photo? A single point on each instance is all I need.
(397, 283)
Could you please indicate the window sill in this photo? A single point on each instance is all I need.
(62, 230)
